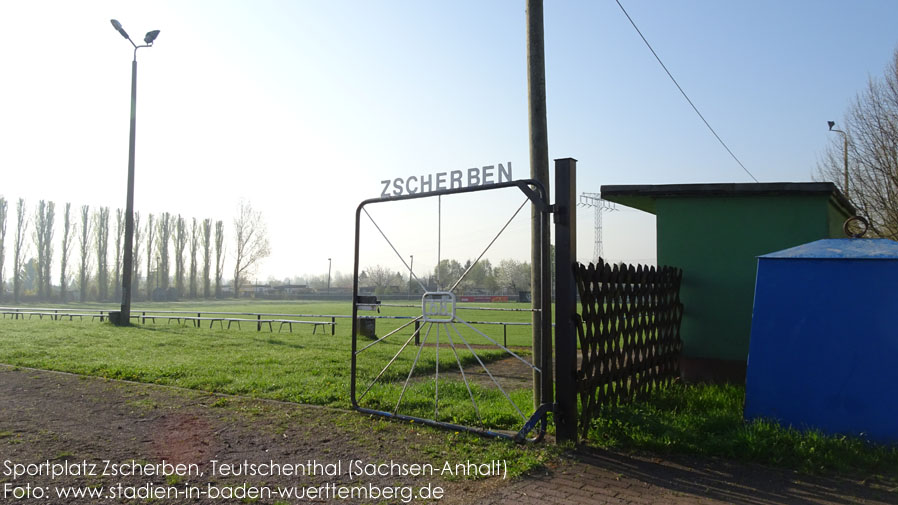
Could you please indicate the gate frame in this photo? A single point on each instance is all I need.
(538, 197)
(566, 419)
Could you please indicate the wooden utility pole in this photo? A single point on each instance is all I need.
(539, 170)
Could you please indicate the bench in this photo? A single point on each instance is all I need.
(291, 322)
(55, 315)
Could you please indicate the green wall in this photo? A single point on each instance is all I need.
(716, 241)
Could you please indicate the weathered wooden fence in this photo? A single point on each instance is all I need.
(629, 333)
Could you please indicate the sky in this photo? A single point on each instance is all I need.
(301, 108)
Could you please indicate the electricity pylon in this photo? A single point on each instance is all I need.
(595, 201)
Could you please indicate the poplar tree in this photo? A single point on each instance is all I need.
(119, 237)
(151, 233)
(3, 212)
(102, 237)
(135, 274)
(194, 245)
(19, 250)
(207, 258)
(164, 237)
(38, 235)
(67, 236)
(219, 256)
(84, 243)
(180, 244)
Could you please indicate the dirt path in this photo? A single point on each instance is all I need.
(72, 422)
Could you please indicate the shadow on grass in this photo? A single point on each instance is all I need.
(731, 482)
(706, 420)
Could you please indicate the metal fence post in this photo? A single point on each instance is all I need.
(565, 300)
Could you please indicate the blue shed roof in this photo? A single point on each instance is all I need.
(848, 248)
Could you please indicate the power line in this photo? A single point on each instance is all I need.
(683, 92)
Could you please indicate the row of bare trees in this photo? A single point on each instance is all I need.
(509, 276)
(871, 126)
(195, 247)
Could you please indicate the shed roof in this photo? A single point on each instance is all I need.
(643, 196)
(842, 248)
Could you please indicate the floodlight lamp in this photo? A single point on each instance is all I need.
(118, 27)
(151, 36)
(831, 124)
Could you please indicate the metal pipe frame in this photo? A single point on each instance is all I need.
(534, 191)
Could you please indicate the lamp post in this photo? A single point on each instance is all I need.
(844, 151)
(328, 277)
(124, 317)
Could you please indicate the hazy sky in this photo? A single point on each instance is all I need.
(303, 108)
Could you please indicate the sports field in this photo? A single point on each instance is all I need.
(296, 366)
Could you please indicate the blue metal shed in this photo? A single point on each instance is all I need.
(824, 338)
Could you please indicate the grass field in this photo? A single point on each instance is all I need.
(315, 369)
(297, 367)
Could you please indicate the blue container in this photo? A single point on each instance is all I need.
(824, 338)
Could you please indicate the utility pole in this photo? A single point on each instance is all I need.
(539, 171)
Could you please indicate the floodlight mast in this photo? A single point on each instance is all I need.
(124, 317)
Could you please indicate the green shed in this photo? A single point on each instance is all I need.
(714, 233)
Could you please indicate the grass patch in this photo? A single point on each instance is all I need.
(301, 368)
(706, 420)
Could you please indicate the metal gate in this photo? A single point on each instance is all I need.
(384, 385)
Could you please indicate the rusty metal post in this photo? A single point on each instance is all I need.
(565, 300)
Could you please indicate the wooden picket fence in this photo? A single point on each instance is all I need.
(629, 333)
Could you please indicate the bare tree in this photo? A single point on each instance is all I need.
(251, 241)
(48, 247)
(180, 245)
(871, 126)
(194, 245)
(68, 233)
(38, 235)
(84, 243)
(151, 233)
(101, 230)
(207, 257)
(3, 213)
(219, 256)
(382, 278)
(135, 275)
(18, 262)
(166, 223)
(119, 237)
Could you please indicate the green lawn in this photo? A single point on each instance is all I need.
(298, 367)
(315, 369)
(706, 420)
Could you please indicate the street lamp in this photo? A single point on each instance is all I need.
(328, 277)
(844, 152)
(127, 262)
